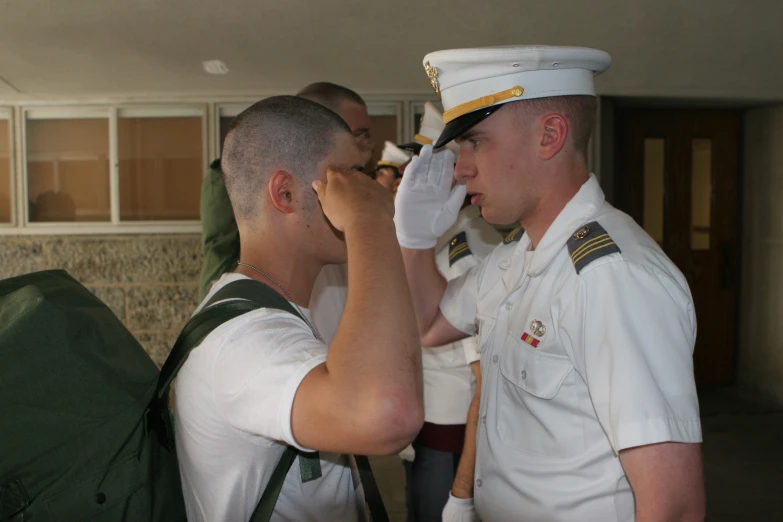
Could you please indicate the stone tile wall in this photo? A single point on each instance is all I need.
(149, 281)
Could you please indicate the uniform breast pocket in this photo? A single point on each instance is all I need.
(538, 403)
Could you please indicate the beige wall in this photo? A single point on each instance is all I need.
(761, 321)
(149, 281)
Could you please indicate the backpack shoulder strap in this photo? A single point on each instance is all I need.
(255, 292)
(372, 494)
(231, 301)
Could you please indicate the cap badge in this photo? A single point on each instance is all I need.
(432, 74)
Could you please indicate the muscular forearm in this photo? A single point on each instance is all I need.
(427, 285)
(463, 479)
(379, 361)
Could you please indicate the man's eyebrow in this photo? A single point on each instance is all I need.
(468, 134)
(358, 168)
(358, 132)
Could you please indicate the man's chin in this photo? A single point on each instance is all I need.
(496, 218)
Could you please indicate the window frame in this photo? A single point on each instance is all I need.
(7, 115)
(403, 106)
(21, 224)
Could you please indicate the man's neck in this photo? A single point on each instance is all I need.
(554, 200)
(281, 267)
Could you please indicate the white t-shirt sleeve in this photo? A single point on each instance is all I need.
(459, 302)
(259, 370)
(638, 341)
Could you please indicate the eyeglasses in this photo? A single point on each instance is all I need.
(363, 136)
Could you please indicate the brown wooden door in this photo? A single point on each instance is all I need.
(677, 176)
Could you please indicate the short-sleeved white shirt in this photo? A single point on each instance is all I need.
(232, 414)
(611, 368)
(449, 383)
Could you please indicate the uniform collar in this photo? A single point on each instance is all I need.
(578, 211)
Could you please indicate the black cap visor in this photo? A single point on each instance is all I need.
(456, 127)
(414, 147)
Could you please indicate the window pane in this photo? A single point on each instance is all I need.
(654, 160)
(382, 128)
(68, 170)
(701, 194)
(161, 166)
(5, 172)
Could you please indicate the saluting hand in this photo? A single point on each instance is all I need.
(427, 205)
(349, 197)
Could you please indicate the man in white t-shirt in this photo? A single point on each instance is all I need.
(264, 380)
(220, 237)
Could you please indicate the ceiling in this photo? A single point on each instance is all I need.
(90, 49)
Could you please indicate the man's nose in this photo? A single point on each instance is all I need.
(465, 167)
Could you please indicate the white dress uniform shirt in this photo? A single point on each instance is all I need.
(582, 356)
(448, 381)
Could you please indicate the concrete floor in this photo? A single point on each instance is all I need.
(743, 460)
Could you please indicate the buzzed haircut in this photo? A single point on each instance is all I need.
(278, 133)
(580, 112)
(330, 95)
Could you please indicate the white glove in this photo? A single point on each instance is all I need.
(426, 206)
(408, 454)
(459, 510)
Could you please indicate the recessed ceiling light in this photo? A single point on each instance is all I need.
(215, 67)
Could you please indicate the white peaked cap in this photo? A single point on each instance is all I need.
(473, 83)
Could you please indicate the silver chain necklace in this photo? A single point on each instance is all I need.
(291, 299)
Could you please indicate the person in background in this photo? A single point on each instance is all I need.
(389, 169)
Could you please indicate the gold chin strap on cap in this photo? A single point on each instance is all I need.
(387, 164)
(485, 101)
(422, 139)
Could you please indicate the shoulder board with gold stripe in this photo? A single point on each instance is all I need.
(458, 248)
(514, 235)
(589, 243)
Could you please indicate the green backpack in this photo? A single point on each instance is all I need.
(219, 232)
(75, 385)
(86, 428)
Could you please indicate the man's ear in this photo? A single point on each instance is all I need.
(281, 191)
(553, 129)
